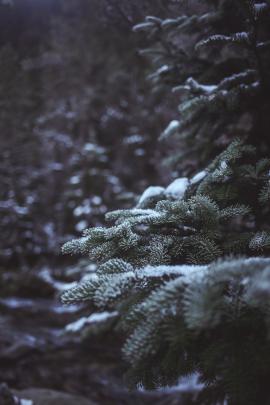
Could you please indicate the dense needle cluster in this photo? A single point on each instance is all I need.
(186, 270)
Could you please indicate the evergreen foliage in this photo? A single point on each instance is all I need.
(217, 62)
(154, 271)
(186, 270)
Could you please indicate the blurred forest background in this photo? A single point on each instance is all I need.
(79, 136)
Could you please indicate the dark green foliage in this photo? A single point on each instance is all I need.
(171, 311)
(193, 229)
(218, 64)
(187, 269)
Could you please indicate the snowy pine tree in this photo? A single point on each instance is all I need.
(217, 64)
(186, 271)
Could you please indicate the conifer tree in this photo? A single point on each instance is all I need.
(187, 270)
(217, 63)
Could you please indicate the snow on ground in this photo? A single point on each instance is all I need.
(26, 402)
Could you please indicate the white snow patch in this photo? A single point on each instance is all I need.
(113, 180)
(80, 226)
(96, 200)
(256, 260)
(160, 271)
(45, 274)
(84, 208)
(139, 152)
(91, 267)
(163, 69)
(91, 276)
(94, 318)
(260, 7)
(223, 165)
(186, 384)
(173, 125)
(74, 179)
(102, 316)
(145, 212)
(150, 192)
(77, 325)
(177, 188)
(13, 302)
(208, 89)
(194, 85)
(91, 147)
(144, 26)
(133, 139)
(171, 129)
(198, 177)
(26, 402)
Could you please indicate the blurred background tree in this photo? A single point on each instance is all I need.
(78, 134)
